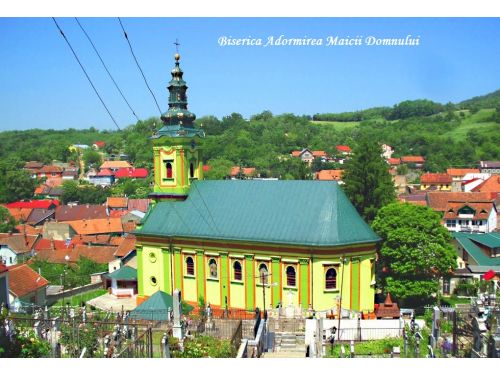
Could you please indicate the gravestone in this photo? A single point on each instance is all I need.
(165, 346)
(436, 325)
(178, 328)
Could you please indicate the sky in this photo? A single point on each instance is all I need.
(42, 85)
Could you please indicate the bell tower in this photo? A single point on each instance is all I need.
(176, 146)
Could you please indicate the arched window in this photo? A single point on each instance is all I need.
(169, 170)
(290, 276)
(191, 170)
(263, 273)
(237, 271)
(189, 266)
(331, 279)
(212, 265)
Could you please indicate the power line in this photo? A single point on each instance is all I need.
(85, 72)
(138, 65)
(106, 68)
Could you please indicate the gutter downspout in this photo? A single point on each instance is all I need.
(171, 250)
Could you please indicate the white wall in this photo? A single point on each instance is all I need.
(6, 254)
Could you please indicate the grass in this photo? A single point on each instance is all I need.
(337, 124)
(454, 300)
(478, 121)
(77, 300)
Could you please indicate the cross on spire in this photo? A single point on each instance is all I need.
(177, 44)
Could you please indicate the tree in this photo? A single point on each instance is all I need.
(416, 251)
(7, 222)
(91, 157)
(368, 183)
(70, 191)
(18, 185)
(219, 169)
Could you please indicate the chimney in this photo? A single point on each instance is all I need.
(52, 247)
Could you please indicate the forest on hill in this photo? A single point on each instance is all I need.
(447, 135)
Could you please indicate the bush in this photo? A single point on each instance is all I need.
(204, 347)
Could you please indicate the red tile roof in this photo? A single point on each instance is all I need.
(3, 268)
(460, 172)
(28, 229)
(23, 280)
(138, 204)
(413, 159)
(131, 173)
(118, 213)
(438, 200)
(482, 209)
(117, 202)
(19, 214)
(50, 169)
(100, 144)
(394, 161)
(46, 244)
(491, 185)
(105, 172)
(329, 175)
(18, 243)
(296, 153)
(126, 246)
(99, 254)
(115, 164)
(129, 226)
(343, 148)
(42, 203)
(80, 212)
(435, 178)
(97, 226)
(246, 171)
(97, 239)
(33, 165)
(319, 153)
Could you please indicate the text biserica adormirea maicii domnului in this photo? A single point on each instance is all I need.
(328, 41)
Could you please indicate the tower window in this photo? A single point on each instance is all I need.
(168, 166)
(212, 265)
(263, 273)
(331, 279)
(237, 271)
(290, 276)
(191, 170)
(189, 266)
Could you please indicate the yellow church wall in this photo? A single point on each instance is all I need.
(324, 299)
(367, 281)
(236, 297)
(213, 285)
(153, 275)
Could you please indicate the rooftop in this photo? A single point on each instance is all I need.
(23, 280)
(330, 175)
(309, 213)
(97, 226)
(438, 200)
(80, 212)
(469, 243)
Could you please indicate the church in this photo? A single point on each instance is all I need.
(243, 244)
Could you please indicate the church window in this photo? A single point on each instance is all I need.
(212, 265)
(153, 280)
(152, 257)
(331, 279)
(189, 266)
(290, 276)
(263, 273)
(191, 170)
(237, 270)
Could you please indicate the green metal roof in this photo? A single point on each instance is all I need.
(156, 307)
(466, 240)
(487, 239)
(123, 273)
(311, 213)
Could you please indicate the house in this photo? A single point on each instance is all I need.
(387, 151)
(98, 145)
(80, 212)
(122, 282)
(457, 175)
(16, 248)
(477, 254)
(131, 173)
(115, 165)
(236, 243)
(48, 192)
(4, 285)
(492, 167)
(305, 155)
(476, 216)
(320, 155)
(38, 216)
(117, 204)
(330, 175)
(246, 172)
(105, 177)
(394, 161)
(472, 180)
(28, 229)
(70, 174)
(57, 231)
(435, 181)
(416, 162)
(20, 215)
(97, 226)
(26, 288)
(44, 244)
(33, 165)
(124, 253)
(49, 171)
(343, 150)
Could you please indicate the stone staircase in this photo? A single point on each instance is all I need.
(287, 345)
